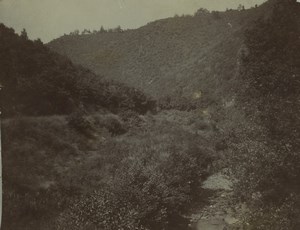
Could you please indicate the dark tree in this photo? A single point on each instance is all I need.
(24, 34)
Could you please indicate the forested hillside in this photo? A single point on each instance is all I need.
(266, 146)
(191, 57)
(38, 81)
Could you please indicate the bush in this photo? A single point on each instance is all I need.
(35, 151)
(283, 217)
(149, 188)
(100, 210)
(81, 123)
(114, 126)
(131, 118)
(111, 122)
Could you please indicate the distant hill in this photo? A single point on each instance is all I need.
(38, 81)
(188, 56)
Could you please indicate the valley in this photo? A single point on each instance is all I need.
(186, 123)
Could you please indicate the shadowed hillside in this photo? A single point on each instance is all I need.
(38, 81)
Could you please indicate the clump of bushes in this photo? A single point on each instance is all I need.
(99, 210)
(268, 181)
(114, 125)
(34, 152)
(177, 102)
(131, 118)
(149, 188)
(80, 122)
(90, 125)
(279, 217)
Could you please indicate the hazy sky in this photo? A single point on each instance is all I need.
(48, 19)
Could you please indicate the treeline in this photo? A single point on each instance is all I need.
(38, 81)
(118, 29)
(215, 14)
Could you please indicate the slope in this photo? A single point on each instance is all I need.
(188, 56)
(38, 81)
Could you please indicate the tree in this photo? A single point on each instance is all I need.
(118, 29)
(241, 7)
(216, 15)
(202, 11)
(39, 42)
(24, 34)
(102, 30)
(75, 32)
(86, 31)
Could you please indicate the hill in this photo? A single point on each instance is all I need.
(265, 131)
(38, 81)
(193, 57)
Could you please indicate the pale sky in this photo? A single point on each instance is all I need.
(49, 19)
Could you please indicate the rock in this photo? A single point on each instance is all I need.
(224, 195)
(215, 224)
(218, 182)
(231, 220)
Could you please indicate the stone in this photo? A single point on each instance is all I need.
(231, 220)
(215, 224)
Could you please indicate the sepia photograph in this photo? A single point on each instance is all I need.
(150, 114)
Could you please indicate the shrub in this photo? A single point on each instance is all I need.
(282, 217)
(100, 210)
(80, 123)
(114, 125)
(131, 118)
(110, 122)
(149, 187)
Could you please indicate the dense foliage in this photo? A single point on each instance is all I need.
(38, 81)
(266, 148)
(57, 176)
(149, 189)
